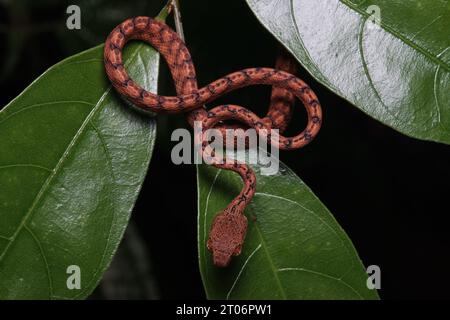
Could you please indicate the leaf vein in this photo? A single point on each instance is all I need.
(412, 44)
(323, 275)
(44, 259)
(366, 69)
(241, 270)
(25, 165)
(38, 105)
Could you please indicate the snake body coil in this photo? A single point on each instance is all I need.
(229, 227)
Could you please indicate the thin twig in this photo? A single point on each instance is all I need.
(177, 17)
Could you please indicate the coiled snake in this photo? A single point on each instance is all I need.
(229, 226)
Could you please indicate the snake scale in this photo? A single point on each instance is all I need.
(229, 227)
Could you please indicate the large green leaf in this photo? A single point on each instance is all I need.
(294, 249)
(398, 73)
(72, 162)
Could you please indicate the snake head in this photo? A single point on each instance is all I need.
(227, 236)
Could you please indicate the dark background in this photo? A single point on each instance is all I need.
(388, 191)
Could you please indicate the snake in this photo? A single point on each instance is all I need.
(229, 226)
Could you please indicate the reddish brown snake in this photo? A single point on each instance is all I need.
(229, 226)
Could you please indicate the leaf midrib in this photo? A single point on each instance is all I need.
(271, 263)
(400, 36)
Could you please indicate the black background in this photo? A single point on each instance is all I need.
(388, 191)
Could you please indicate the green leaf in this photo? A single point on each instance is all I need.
(73, 158)
(294, 249)
(397, 72)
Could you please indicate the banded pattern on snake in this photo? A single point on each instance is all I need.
(229, 226)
